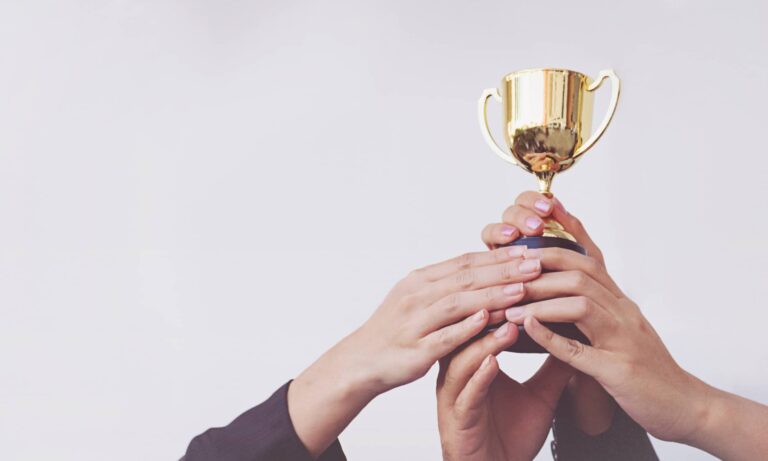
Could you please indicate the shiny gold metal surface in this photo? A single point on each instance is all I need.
(547, 118)
(547, 121)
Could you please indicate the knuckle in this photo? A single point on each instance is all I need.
(465, 261)
(465, 279)
(487, 234)
(453, 302)
(592, 264)
(414, 275)
(510, 213)
(549, 335)
(641, 324)
(612, 325)
(583, 306)
(409, 302)
(578, 280)
(573, 349)
(527, 196)
(556, 255)
(501, 255)
(507, 272)
(444, 338)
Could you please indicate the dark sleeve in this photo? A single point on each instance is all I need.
(625, 440)
(263, 433)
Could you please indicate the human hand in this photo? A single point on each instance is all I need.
(483, 414)
(627, 357)
(590, 406)
(426, 316)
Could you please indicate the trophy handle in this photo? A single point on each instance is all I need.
(615, 91)
(482, 115)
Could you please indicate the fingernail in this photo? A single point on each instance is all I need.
(543, 205)
(486, 361)
(501, 331)
(533, 223)
(533, 253)
(529, 266)
(479, 317)
(514, 313)
(517, 251)
(514, 289)
(508, 231)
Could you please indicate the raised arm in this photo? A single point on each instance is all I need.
(427, 315)
(629, 359)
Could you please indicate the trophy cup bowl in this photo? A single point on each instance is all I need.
(546, 125)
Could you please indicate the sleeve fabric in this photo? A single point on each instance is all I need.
(263, 433)
(625, 440)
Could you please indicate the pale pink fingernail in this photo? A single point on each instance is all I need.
(533, 253)
(479, 317)
(533, 223)
(508, 231)
(543, 205)
(501, 331)
(517, 251)
(529, 266)
(486, 361)
(514, 313)
(514, 289)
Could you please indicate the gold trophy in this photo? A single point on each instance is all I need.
(547, 120)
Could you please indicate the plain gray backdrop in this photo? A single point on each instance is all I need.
(199, 197)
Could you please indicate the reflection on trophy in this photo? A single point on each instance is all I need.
(546, 124)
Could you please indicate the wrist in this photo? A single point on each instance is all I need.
(346, 371)
(706, 408)
(327, 396)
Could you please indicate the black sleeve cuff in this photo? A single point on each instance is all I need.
(625, 440)
(265, 432)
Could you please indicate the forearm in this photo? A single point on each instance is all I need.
(328, 395)
(734, 428)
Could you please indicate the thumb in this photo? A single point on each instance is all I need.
(473, 395)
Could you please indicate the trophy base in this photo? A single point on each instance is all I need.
(524, 343)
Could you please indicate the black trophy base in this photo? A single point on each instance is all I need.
(524, 343)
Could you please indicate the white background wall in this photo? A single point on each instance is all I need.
(198, 197)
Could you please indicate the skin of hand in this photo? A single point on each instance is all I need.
(589, 404)
(629, 360)
(483, 414)
(425, 317)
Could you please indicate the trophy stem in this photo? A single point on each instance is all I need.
(545, 182)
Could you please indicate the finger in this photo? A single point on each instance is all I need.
(475, 278)
(569, 283)
(560, 259)
(443, 341)
(550, 380)
(580, 356)
(526, 221)
(466, 261)
(456, 371)
(473, 395)
(457, 306)
(496, 234)
(593, 320)
(536, 202)
(572, 224)
(496, 317)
